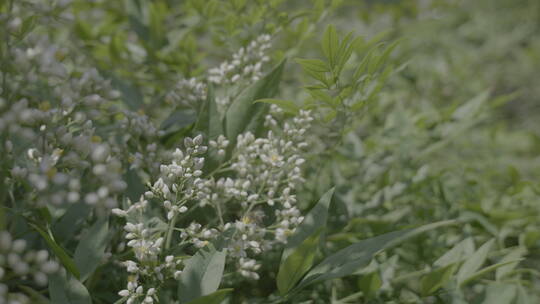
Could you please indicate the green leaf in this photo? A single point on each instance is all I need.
(322, 96)
(122, 300)
(214, 298)
(301, 247)
(474, 262)
(436, 279)
(208, 119)
(91, 248)
(512, 256)
(330, 45)
(243, 115)
(349, 259)
(320, 76)
(456, 254)
(345, 51)
(314, 65)
(383, 58)
(488, 269)
(131, 95)
(66, 226)
(286, 105)
(178, 120)
(471, 107)
(499, 293)
(313, 222)
(202, 274)
(37, 297)
(362, 67)
(370, 283)
(65, 290)
(523, 296)
(60, 253)
(297, 263)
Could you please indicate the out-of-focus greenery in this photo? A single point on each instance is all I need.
(431, 116)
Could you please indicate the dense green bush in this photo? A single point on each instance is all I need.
(234, 151)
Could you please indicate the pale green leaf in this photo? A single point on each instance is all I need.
(474, 262)
(67, 290)
(202, 274)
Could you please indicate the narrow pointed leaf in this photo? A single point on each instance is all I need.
(436, 279)
(314, 65)
(60, 253)
(208, 118)
(474, 262)
(330, 44)
(243, 115)
(297, 263)
(349, 259)
(313, 221)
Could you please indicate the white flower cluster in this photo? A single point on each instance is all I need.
(221, 144)
(262, 173)
(246, 64)
(61, 138)
(147, 248)
(139, 139)
(187, 92)
(179, 185)
(266, 171)
(16, 260)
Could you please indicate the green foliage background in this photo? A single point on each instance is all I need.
(432, 116)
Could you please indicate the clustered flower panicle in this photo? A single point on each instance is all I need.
(246, 63)
(16, 260)
(246, 66)
(261, 172)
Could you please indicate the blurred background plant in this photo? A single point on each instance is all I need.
(415, 112)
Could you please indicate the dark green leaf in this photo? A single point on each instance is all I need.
(297, 263)
(36, 297)
(243, 115)
(208, 119)
(370, 284)
(348, 260)
(64, 258)
(91, 248)
(214, 298)
(313, 222)
(436, 279)
(65, 227)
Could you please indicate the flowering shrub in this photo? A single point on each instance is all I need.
(232, 151)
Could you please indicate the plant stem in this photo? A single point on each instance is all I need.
(170, 231)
